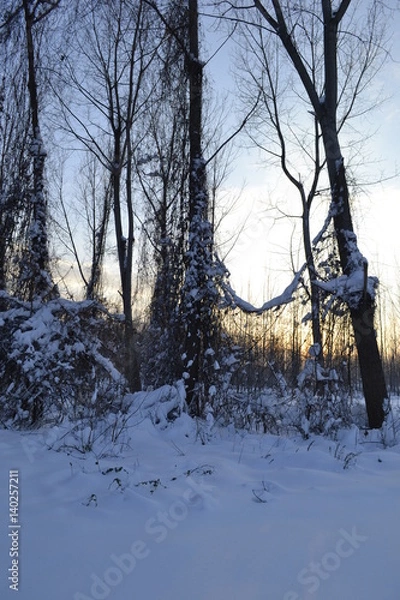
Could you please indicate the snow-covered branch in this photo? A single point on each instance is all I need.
(347, 287)
(232, 299)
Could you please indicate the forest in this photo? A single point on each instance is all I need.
(115, 150)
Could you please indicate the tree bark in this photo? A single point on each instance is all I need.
(314, 290)
(362, 305)
(37, 276)
(124, 249)
(198, 293)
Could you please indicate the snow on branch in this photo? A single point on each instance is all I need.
(324, 229)
(349, 287)
(233, 300)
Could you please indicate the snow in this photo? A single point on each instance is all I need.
(232, 299)
(345, 286)
(237, 516)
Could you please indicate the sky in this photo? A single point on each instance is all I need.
(255, 240)
(260, 263)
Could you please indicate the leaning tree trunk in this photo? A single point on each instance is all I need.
(361, 303)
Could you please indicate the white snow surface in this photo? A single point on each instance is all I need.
(182, 512)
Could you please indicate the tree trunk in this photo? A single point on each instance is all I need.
(132, 371)
(198, 293)
(36, 276)
(370, 362)
(362, 304)
(124, 248)
(314, 290)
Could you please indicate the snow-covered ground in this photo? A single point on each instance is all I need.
(240, 517)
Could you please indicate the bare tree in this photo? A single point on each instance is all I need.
(35, 279)
(14, 157)
(272, 130)
(293, 24)
(116, 48)
(85, 218)
(199, 294)
(163, 171)
(37, 276)
(97, 203)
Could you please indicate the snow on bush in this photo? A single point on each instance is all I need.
(55, 359)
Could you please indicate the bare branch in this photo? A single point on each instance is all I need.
(235, 133)
(341, 11)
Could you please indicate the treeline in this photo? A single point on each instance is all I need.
(276, 345)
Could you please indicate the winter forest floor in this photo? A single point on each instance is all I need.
(176, 513)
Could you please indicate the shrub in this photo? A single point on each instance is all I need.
(57, 358)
